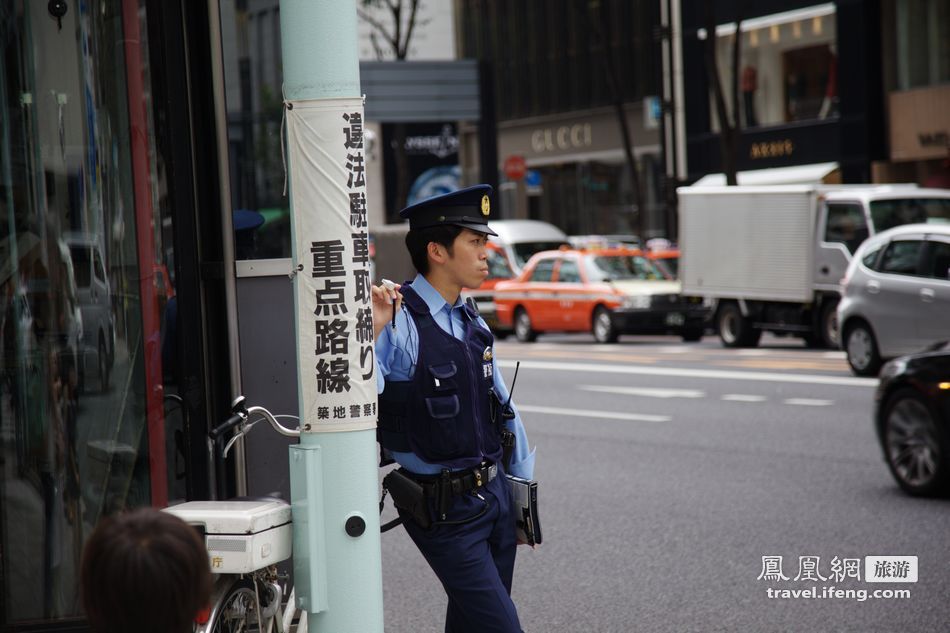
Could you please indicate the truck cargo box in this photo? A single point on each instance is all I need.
(753, 243)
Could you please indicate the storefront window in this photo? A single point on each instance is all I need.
(253, 77)
(788, 67)
(923, 43)
(80, 236)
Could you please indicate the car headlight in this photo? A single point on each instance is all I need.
(637, 302)
(893, 368)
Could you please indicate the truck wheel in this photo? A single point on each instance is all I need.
(603, 326)
(523, 330)
(692, 334)
(861, 347)
(828, 324)
(734, 329)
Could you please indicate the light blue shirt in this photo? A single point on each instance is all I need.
(396, 355)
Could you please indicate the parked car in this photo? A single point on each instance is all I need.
(94, 294)
(609, 292)
(896, 295)
(520, 239)
(499, 269)
(912, 418)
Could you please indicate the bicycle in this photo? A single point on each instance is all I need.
(246, 538)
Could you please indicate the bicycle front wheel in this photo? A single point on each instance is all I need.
(243, 609)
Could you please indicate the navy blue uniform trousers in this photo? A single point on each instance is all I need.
(475, 561)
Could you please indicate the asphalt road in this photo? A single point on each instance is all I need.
(669, 470)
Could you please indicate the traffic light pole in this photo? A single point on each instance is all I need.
(334, 475)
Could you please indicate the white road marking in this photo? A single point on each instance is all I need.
(753, 352)
(741, 397)
(646, 392)
(809, 402)
(584, 413)
(835, 355)
(811, 379)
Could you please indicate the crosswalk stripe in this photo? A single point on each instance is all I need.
(809, 402)
(584, 413)
(740, 397)
(811, 379)
(646, 392)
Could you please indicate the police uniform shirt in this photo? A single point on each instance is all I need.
(396, 354)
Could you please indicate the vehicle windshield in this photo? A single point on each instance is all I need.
(887, 214)
(81, 263)
(621, 267)
(498, 267)
(669, 265)
(524, 250)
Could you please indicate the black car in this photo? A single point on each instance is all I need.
(912, 416)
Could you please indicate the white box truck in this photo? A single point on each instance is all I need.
(770, 258)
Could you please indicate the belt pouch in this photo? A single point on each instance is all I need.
(409, 497)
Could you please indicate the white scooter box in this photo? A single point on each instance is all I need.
(241, 536)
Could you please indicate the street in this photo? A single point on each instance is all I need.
(668, 470)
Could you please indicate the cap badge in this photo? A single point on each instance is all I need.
(487, 355)
(486, 206)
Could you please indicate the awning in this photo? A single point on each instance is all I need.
(817, 173)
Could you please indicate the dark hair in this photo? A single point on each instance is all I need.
(145, 571)
(417, 241)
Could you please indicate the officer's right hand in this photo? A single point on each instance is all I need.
(384, 302)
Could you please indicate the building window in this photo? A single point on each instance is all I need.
(788, 66)
(923, 43)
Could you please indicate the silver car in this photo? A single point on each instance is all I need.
(896, 295)
(94, 293)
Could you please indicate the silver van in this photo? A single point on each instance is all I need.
(520, 239)
(896, 295)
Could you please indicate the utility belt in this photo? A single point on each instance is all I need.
(410, 491)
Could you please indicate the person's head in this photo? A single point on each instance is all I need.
(144, 571)
(447, 235)
(456, 254)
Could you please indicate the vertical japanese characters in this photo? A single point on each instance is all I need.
(343, 320)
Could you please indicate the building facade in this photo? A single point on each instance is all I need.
(809, 88)
(562, 73)
(916, 37)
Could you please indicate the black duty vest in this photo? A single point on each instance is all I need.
(443, 414)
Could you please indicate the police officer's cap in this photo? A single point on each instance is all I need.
(468, 208)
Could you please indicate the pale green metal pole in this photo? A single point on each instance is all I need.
(334, 480)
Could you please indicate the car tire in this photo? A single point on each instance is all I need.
(915, 446)
(103, 363)
(524, 332)
(861, 348)
(828, 332)
(602, 326)
(735, 330)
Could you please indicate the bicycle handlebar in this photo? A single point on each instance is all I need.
(231, 422)
(243, 414)
(277, 426)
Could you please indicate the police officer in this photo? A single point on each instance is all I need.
(437, 380)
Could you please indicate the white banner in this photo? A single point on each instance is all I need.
(335, 356)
